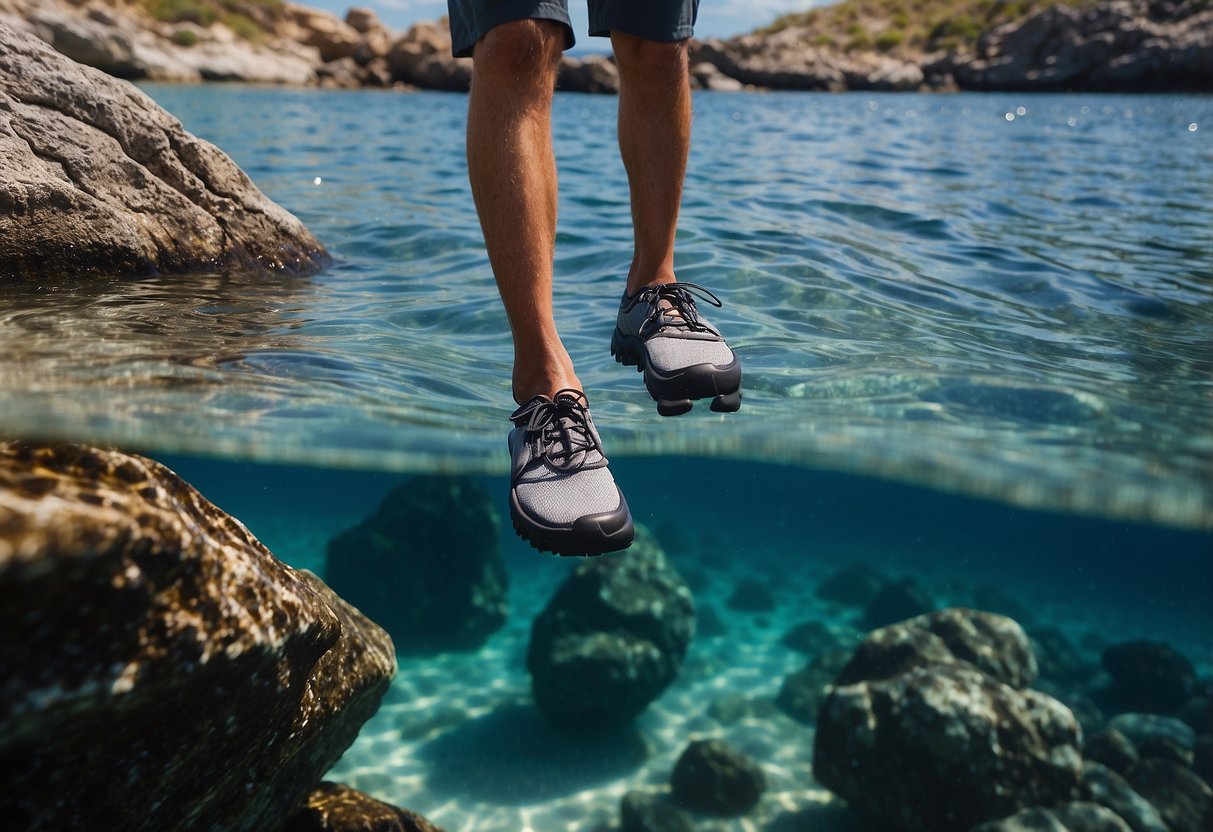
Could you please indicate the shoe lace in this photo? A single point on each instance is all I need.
(678, 312)
(560, 429)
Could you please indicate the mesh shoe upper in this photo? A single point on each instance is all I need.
(559, 472)
(675, 335)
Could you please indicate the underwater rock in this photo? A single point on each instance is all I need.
(1157, 736)
(1076, 816)
(1148, 676)
(611, 638)
(1111, 748)
(1057, 657)
(710, 776)
(1183, 799)
(426, 566)
(332, 807)
(895, 602)
(1104, 786)
(803, 692)
(990, 643)
(162, 670)
(96, 179)
(853, 585)
(643, 812)
(945, 747)
(751, 596)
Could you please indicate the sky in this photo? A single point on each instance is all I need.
(717, 18)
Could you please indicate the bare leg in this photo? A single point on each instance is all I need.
(513, 175)
(654, 139)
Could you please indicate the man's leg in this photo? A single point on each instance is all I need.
(513, 175)
(654, 139)
(562, 496)
(659, 327)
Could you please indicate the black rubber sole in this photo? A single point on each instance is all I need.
(676, 393)
(588, 536)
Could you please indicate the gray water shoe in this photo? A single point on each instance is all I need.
(683, 357)
(562, 497)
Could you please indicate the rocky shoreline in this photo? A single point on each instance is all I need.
(1109, 45)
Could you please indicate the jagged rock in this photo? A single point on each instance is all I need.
(332, 37)
(1076, 816)
(163, 671)
(1111, 748)
(990, 643)
(880, 742)
(896, 601)
(611, 639)
(362, 19)
(1184, 800)
(95, 178)
(426, 565)
(708, 77)
(422, 57)
(1104, 786)
(1149, 676)
(786, 60)
(1114, 45)
(332, 807)
(712, 777)
(855, 585)
(803, 692)
(595, 73)
(642, 812)
(1157, 736)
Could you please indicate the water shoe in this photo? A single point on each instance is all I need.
(562, 497)
(682, 356)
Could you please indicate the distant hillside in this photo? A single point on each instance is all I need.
(250, 19)
(903, 28)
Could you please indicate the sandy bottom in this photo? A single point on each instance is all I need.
(458, 740)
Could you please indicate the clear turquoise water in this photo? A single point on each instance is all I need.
(998, 295)
(977, 353)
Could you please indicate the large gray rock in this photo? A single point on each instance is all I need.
(162, 670)
(611, 639)
(95, 178)
(928, 729)
(1113, 45)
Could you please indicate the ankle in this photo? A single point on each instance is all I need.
(530, 382)
(642, 280)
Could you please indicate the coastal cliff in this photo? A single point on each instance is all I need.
(1100, 45)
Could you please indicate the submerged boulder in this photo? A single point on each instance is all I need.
(162, 670)
(611, 639)
(95, 178)
(711, 776)
(332, 807)
(426, 565)
(928, 727)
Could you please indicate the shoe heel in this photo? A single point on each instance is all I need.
(673, 407)
(727, 403)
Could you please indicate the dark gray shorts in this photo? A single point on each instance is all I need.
(661, 20)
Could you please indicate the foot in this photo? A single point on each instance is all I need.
(562, 497)
(682, 356)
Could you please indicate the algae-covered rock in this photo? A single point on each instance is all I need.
(426, 565)
(161, 669)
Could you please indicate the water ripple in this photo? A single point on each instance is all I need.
(995, 294)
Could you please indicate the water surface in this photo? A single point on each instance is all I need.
(999, 295)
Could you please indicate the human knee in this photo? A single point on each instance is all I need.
(520, 51)
(649, 58)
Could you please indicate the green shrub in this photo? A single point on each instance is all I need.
(889, 39)
(244, 27)
(185, 37)
(183, 11)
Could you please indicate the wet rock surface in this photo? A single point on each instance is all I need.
(95, 178)
(332, 807)
(611, 638)
(163, 671)
(929, 727)
(426, 565)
